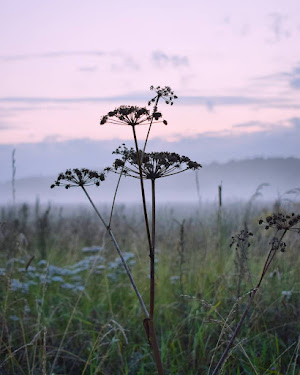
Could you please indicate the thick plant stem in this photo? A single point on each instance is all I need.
(253, 292)
(155, 348)
(152, 336)
(120, 255)
(152, 284)
(142, 189)
(152, 254)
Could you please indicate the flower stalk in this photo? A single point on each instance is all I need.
(85, 177)
(282, 223)
(152, 335)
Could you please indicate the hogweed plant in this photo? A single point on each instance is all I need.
(141, 165)
(151, 166)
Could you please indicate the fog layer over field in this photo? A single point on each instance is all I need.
(239, 180)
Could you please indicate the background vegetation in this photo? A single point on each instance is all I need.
(66, 305)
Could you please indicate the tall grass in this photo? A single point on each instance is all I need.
(104, 337)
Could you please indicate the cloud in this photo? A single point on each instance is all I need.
(125, 63)
(295, 121)
(4, 126)
(262, 126)
(248, 124)
(259, 126)
(51, 55)
(277, 27)
(162, 59)
(210, 102)
(70, 100)
(291, 78)
(216, 101)
(117, 60)
(295, 78)
(88, 69)
(251, 124)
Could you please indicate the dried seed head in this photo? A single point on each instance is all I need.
(241, 237)
(78, 177)
(131, 115)
(154, 164)
(165, 93)
(281, 221)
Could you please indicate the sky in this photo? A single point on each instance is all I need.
(235, 66)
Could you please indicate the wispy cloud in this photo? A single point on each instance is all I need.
(88, 69)
(260, 126)
(295, 121)
(162, 59)
(51, 55)
(4, 126)
(125, 63)
(46, 100)
(117, 60)
(291, 78)
(251, 124)
(295, 78)
(210, 102)
(277, 25)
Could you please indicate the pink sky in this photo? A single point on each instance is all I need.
(64, 64)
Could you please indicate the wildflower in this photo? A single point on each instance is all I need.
(165, 93)
(277, 244)
(281, 221)
(78, 177)
(132, 115)
(154, 164)
(241, 237)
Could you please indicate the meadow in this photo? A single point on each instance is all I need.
(147, 288)
(67, 307)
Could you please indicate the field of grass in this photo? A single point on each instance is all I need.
(67, 307)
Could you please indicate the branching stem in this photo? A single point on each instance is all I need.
(154, 109)
(120, 254)
(152, 254)
(115, 196)
(152, 334)
(268, 261)
(142, 190)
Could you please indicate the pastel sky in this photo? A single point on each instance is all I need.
(235, 66)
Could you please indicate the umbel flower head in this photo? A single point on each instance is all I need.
(240, 238)
(165, 93)
(131, 115)
(78, 177)
(154, 164)
(281, 221)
